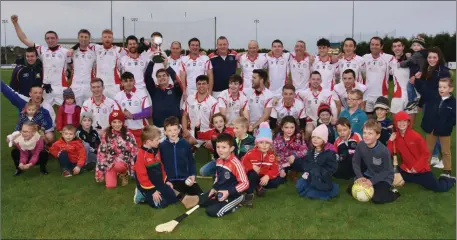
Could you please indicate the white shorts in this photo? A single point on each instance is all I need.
(55, 97)
(369, 106)
(82, 93)
(398, 104)
(111, 90)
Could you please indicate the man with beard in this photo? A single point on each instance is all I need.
(260, 101)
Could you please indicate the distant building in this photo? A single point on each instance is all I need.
(334, 48)
(70, 42)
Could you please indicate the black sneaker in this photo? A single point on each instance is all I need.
(396, 192)
(18, 172)
(248, 200)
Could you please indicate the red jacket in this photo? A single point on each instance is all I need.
(149, 169)
(268, 162)
(411, 147)
(74, 148)
(213, 133)
(61, 119)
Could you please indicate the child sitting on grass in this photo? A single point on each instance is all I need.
(325, 117)
(319, 164)
(288, 144)
(219, 122)
(90, 139)
(261, 165)
(373, 156)
(381, 108)
(70, 152)
(178, 159)
(116, 153)
(412, 148)
(29, 150)
(243, 141)
(230, 183)
(345, 145)
(153, 186)
(69, 112)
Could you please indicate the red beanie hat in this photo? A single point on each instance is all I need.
(323, 107)
(116, 114)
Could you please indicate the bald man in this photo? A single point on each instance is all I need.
(248, 62)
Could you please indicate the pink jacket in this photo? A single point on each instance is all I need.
(33, 155)
(295, 146)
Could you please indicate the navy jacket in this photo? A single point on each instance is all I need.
(440, 118)
(165, 102)
(320, 169)
(25, 76)
(428, 89)
(177, 159)
(222, 70)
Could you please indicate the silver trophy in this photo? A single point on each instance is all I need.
(157, 58)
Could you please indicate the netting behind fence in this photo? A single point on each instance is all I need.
(359, 36)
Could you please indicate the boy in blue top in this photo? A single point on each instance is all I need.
(353, 113)
(178, 160)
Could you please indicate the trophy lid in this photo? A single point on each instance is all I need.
(157, 40)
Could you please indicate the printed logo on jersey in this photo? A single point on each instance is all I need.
(227, 175)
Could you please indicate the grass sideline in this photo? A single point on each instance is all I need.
(51, 206)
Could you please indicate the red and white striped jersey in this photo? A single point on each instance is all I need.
(257, 104)
(54, 65)
(234, 106)
(300, 72)
(201, 110)
(313, 100)
(297, 110)
(83, 66)
(136, 66)
(355, 63)
(100, 112)
(401, 79)
(248, 65)
(107, 64)
(377, 74)
(327, 71)
(135, 102)
(278, 72)
(341, 94)
(194, 67)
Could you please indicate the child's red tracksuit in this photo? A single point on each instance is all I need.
(268, 164)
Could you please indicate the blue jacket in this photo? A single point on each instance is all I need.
(440, 118)
(357, 119)
(177, 159)
(165, 102)
(222, 70)
(428, 88)
(19, 103)
(25, 76)
(38, 118)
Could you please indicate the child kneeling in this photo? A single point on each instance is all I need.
(230, 183)
(373, 156)
(153, 187)
(261, 165)
(116, 153)
(319, 164)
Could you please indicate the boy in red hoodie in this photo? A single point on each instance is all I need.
(70, 152)
(412, 148)
(261, 165)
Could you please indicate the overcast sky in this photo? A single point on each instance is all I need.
(288, 21)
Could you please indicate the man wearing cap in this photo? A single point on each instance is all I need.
(381, 108)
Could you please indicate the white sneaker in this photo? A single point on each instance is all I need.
(435, 160)
(440, 165)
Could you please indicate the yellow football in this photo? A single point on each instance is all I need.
(362, 193)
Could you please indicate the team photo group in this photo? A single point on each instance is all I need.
(134, 113)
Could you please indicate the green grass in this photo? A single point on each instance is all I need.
(35, 206)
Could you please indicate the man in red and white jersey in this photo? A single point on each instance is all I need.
(278, 68)
(378, 68)
(135, 105)
(199, 108)
(341, 90)
(134, 63)
(288, 105)
(313, 97)
(400, 79)
(192, 66)
(151, 52)
(260, 101)
(233, 102)
(99, 105)
(350, 60)
(54, 59)
(175, 60)
(83, 64)
(249, 61)
(325, 65)
(300, 66)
